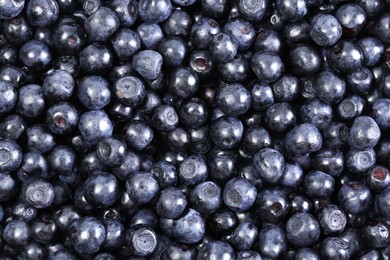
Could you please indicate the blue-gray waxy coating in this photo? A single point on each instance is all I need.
(354, 197)
(267, 66)
(95, 58)
(291, 10)
(326, 30)
(10, 9)
(95, 125)
(234, 99)
(272, 205)
(223, 47)
(16, 233)
(239, 194)
(8, 96)
(303, 229)
(102, 24)
(318, 184)
(190, 228)
(42, 13)
(154, 11)
(304, 138)
(148, 63)
(10, 155)
(334, 247)
(126, 43)
(269, 164)
(36, 55)
(364, 133)
(171, 203)
(58, 85)
(272, 241)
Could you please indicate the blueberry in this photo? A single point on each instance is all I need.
(101, 189)
(302, 229)
(62, 118)
(171, 203)
(65, 216)
(190, 228)
(111, 151)
(151, 35)
(334, 247)
(178, 23)
(87, 235)
(304, 138)
(142, 187)
(178, 251)
(95, 58)
(154, 11)
(17, 30)
(102, 24)
(31, 102)
(267, 66)
(318, 184)
(95, 125)
(280, 117)
(148, 64)
(68, 37)
(345, 56)
(332, 219)
(326, 30)
(292, 175)
(226, 132)
(173, 50)
(39, 193)
(127, 11)
(272, 205)
(354, 197)
(32, 250)
(329, 87)
(8, 187)
(305, 60)
(206, 197)
(216, 250)
(94, 92)
(58, 85)
(11, 9)
(203, 30)
(291, 10)
(234, 99)
(137, 134)
(378, 178)
(10, 156)
(380, 111)
(42, 13)
(201, 62)
(223, 47)
(316, 112)
(364, 133)
(193, 170)
(16, 233)
(115, 234)
(165, 118)
(243, 31)
(372, 50)
(272, 241)
(44, 230)
(239, 194)
(352, 18)
(184, 82)
(62, 159)
(376, 234)
(253, 11)
(306, 253)
(269, 165)
(330, 161)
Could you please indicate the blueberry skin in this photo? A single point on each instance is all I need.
(95, 125)
(206, 197)
(17, 30)
(372, 50)
(354, 197)
(44, 230)
(12, 127)
(326, 30)
(268, 40)
(382, 203)
(8, 187)
(93, 92)
(8, 96)
(329, 88)
(272, 205)
(68, 37)
(42, 13)
(345, 56)
(352, 18)
(148, 64)
(351, 107)
(31, 102)
(115, 234)
(255, 139)
(95, 58)
(35, 55)
(190, 228)
(126, 10)
(39, 193)
(376, 234)
(137, 135)
(267, 66)
(306, 253)
(235, 70)
(178, 24)
(151, 35)
(244, 236)
(318, 184)
(111, 151)
(102, 24)
(129, 91)
(330, 161)
(291, 10)
(292, 175)
(58, 85)
(154, 11)
(193, 170)
(378, 178)
(269, 165)
(305, 60)
(87, 235)
(142, 187)
(302, 229)
(193, 113)
(174, 50)
(171, 203)
(381, 113)
(216, 249)
(272, 241)
(239, 194)
(316, 112)
(201, 62)
(336, 135)
(62, 159)
(177, 251)
(184, 82)
(16, 233)
(335, 248)
(243, 31)
(10, 156)
(202, 31)
(226, 132)
(234, 99)
(165, 173)
(364, 133)
(10, 9)
(253, 11)
(223, 47)
(332, 219)
(280, 117)
(65, 216)
(32, 250)
(359, 161)
(101, 189)
(184, 2)
(62, 118)
(145, 217)
(304, 138)
(372, 254)
(68, 63)
(165, 118)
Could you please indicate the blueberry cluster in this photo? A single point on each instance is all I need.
(195, 129)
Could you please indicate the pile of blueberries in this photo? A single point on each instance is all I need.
(195, 129)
